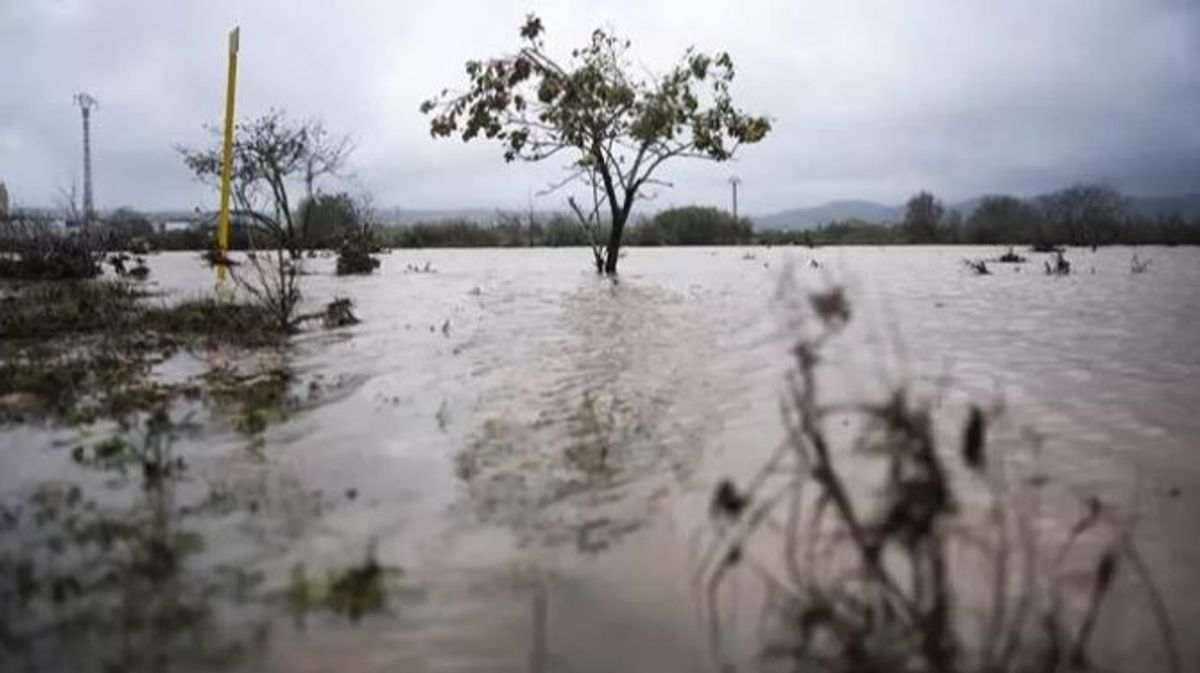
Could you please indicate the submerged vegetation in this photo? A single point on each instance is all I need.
(1011, 257)
(977, 266)
(109, 570)
(354, 591)
(356, 255)
(107, 575)
(880, 545)
(82, 350)
(115, 308)
(1060, 265)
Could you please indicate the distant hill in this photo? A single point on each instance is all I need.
(406, 216)
(808, 218)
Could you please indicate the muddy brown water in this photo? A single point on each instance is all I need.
(535, 447)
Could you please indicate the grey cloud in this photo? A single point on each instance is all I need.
(870, 99)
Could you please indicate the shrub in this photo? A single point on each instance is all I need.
(356, 253)
(31, 250)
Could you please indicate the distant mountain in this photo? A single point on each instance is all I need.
(808, 218)
(406, 216)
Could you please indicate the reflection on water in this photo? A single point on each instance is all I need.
(528, 450)
(109, 576)
(583, 453)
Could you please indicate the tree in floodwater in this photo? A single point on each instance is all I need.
(618, 129)
(923, 218)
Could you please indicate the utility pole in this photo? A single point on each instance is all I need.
(734, 182)
(86, 103)
(227, 153)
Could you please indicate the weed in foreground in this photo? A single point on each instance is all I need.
(877, 554)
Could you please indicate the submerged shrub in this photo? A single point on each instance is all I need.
(356, 255)
(1060, 267)
(977, 266)
(1011, 257)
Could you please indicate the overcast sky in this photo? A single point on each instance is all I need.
(871, 100)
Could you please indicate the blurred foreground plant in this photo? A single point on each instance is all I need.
(926, 559)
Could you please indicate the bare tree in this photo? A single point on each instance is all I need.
(328, 157)
(269, 153)
(1086, 214)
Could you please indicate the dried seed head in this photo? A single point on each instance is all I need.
(974, 439)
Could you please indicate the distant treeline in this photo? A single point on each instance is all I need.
(1086, 214)
(693, 225)
(1080, 215)
(1083, 215)
(681, 226)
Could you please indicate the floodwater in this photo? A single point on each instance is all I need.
(534, 448)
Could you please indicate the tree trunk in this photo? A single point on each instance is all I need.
(613, 252)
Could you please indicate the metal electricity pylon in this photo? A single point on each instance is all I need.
(734, 182)
(86, 103)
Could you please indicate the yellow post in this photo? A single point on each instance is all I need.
(227, 159)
